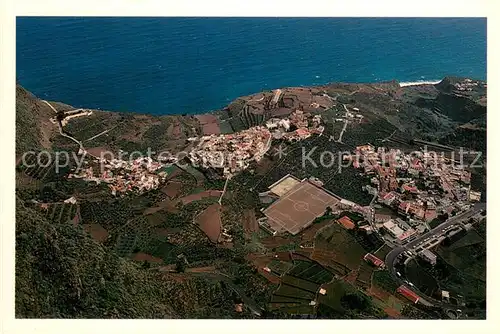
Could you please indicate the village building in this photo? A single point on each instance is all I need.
(346, 222)
(428, 256)
(407, 293)
(374, 260)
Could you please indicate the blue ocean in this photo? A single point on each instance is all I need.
(194, 65)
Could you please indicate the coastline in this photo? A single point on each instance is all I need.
(417, 83)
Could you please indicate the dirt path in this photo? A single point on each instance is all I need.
(62, 133)
(342, 132)
(102, 133)
(223, 191)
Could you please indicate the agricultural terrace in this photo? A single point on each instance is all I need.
(335, 246)
(299, 286)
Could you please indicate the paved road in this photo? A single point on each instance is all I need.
(391, 258)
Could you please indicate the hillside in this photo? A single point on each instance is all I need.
(142, 255)
(33, 129)
(61, 272)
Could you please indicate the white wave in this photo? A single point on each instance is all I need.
(420, 82)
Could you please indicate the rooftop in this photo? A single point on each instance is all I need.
(346, 222)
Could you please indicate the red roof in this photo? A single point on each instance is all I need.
(408, 293)
(346, 222)
(390, 195)
(302, 132)
(406, 234)
(403, 205)
(373, 259)
(409, 188)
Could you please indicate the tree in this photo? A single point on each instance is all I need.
(328, 211)
(355, 301)
(180, 265)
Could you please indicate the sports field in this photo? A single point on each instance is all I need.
(299, 207)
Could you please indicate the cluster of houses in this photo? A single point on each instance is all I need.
(231, 153)
(121, 176)
(420, 187)
(466, 85)
(298, 126)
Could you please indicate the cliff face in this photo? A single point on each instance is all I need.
(459, 99)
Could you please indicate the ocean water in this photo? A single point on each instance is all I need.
(194, 65)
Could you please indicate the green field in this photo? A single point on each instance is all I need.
(282, 299)
(467, 255)
(383, 279)
(334, 293)
(364, 275)
(300, 283)
(345, 248)
(299, 267)
(279, 267)
(311, 271)
(290, 291)
(382, 252)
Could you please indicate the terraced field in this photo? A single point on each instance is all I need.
(311, 271)
(286, 290)
(61, 212)
(299, 286)
(335, 245)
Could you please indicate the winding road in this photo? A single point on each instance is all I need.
(393, 255)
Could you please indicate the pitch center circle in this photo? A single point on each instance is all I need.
(301, 206)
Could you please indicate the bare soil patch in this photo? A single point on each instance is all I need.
(393, 313)
(172, 189)
(310, 232)
(351, 277)
(209, 123)
(210, 222)
(167, 205)
(196, 197)
(263, 166)
(270, 277)
(249, 221)
(379, 293)
(96, 151)
(146, 257)
(97, 232)
(273, 242)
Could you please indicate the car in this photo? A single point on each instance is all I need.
(411, 283)
(398, 273)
